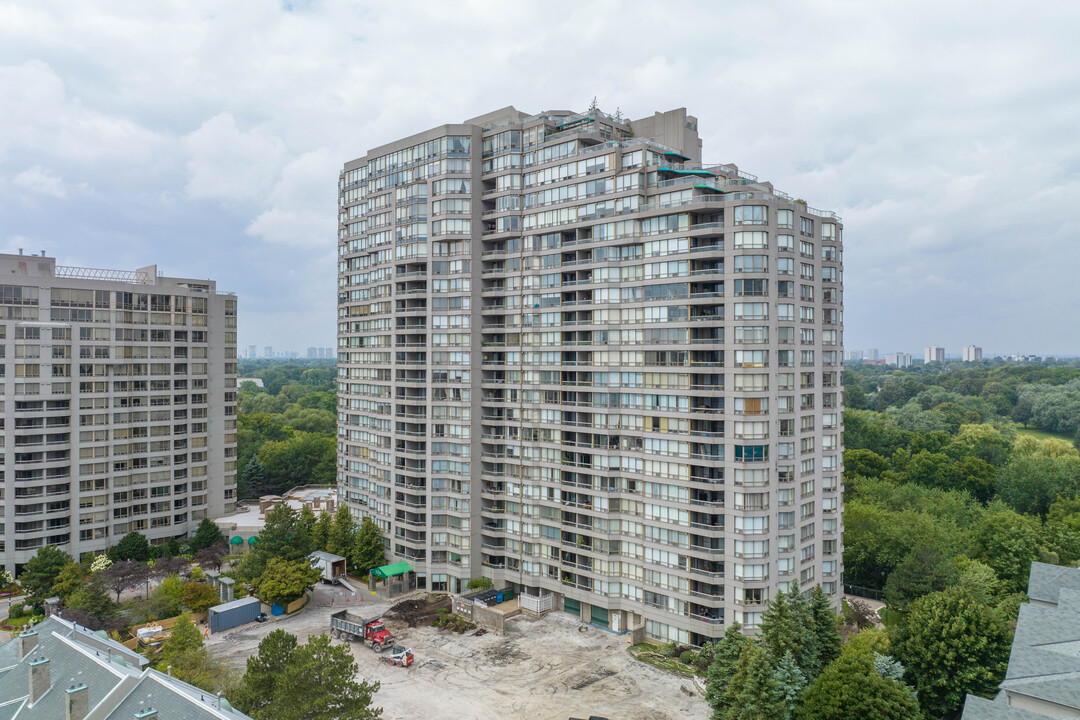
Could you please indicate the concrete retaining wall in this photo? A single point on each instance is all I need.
(479, 614)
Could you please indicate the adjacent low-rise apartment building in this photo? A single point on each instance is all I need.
(577, 360)
(119, 406)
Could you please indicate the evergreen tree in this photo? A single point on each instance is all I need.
(368, 550)
(259, 687)
(282, 537)
(320, 531)
(753, 692)
(206, 535)
(254, 478)
(307, 523)
(725, 660)
(788, 627)
(825, 627)
(41, 571)
(790, 682)
(342, 537)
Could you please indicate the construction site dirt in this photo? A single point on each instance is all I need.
(539, 669)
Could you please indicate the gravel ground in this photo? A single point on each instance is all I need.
(539, 669)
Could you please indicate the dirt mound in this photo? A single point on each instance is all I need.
(418, 611)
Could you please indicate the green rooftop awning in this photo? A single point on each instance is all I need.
(710, 188)
(699, 173)
(673, 154)
(387, 571)
(252, 540)
(237, 540)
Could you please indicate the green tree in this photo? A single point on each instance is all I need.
(206, 535)
(253, 479)
(320, 531)
(41, 571)
(258, 688)
(951, 645)
(850, 688)
(1030, 483)
(91, 598)
(315, 682)
(307, 522)
(183, 638)
(133, 546)
(753, 692)
(825, 626)
(282, 536)
(978, 579)
(1065, 511)
(725, 661)
(285, 580)
(68, 581)
(199, 597)
(923, 571)
(1007, 542)
(790, 682)
(342, 537)
(369, 552)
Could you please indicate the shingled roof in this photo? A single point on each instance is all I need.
(57, 662)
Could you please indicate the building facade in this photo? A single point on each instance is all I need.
(575, 360)
(972, 353)
(119, 397)
(899, 359)
(934, 353)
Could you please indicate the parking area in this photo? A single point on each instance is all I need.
(537, 669)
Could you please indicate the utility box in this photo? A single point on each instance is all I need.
(330, 566)
(231, 614)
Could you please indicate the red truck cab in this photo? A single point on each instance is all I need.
(377, 635)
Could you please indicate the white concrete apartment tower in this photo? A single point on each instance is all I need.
(119, 406)
(574, 359)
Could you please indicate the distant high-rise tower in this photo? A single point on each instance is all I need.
(578, 362)
(899, 359)
(313, 352)
(268, 352)
(871, 354)
(972, 353)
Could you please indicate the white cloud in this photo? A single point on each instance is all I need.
(41, 181)
(227, 164)
(212, 134)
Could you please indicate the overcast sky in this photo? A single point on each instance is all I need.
(207, 136)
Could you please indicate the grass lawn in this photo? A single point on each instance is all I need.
(649, 653)
(24, 621)
(1040, 434)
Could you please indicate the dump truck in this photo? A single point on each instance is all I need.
(401, 656)
(346, 626)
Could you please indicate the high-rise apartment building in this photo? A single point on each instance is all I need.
(934, 353)
(971, 353)
(119, 406)
(899, 359)
(578, 361)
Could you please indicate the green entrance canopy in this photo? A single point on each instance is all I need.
(237, 540)
(387, 571)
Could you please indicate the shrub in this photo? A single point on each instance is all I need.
(17, 611)
(443, 611)
(687, 657)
